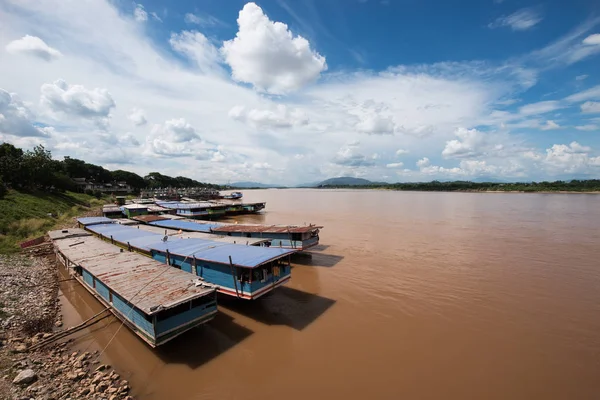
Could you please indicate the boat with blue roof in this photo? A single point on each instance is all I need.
(196, 210)
(242, 271)
(297, 237)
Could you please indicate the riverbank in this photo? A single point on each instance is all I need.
(30, 214)
(573, 186)
(29, 313)
(466, 190)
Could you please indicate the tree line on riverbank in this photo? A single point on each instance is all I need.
(36, 169)
(575, 185)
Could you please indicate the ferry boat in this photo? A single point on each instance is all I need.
(233, 207)
(283, 236)
(233, 196)
(199, 210)
(156, 302)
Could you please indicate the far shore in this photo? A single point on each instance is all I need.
(465, 190)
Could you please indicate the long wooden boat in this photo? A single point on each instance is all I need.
(238, 270)
(156, 302)
(297, 237)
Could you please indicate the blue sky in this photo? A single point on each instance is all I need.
(289, 92)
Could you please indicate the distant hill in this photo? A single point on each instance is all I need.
(346, 180)
(308, 185)
(486, 179)
(247, 185)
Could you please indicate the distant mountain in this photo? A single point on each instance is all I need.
(346, 180)
(308, 185)
(487, 179)
(253, 185)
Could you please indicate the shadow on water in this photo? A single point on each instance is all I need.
(202, 344)
(284, 306)
(316, 259)
(320, 247)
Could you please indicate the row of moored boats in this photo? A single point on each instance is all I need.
(160, 273)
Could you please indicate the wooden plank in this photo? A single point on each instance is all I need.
(32, 242)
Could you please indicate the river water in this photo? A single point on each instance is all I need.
(410, 295)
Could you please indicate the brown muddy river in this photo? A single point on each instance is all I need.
(410, 295)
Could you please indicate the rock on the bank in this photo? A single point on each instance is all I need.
(25, 377)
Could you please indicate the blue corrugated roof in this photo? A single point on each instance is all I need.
(202, 249)
(185, 225)
(243, 256)
(125, 234)
(146, 242)
(179, 205)
(86, 221)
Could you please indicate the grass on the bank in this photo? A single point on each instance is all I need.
(26, 215)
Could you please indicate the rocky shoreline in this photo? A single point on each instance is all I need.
(30, 313)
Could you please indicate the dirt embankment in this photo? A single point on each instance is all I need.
(30, 313)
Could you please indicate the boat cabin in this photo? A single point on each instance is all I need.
(291, 237)
(112, 211)
(245, 272)
(133, 210)
(199, 210)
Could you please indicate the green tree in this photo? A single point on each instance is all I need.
(11, 165)
(136, 181)
(39, 167)
(75, 168)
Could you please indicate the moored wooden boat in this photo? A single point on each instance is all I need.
(156, 302)
(239, 270)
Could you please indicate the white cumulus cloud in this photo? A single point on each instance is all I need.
(75, 100)
(570, 158)
(375, 124)
(33, 45)
(178, 138)
(349, 156)
(176, 130)
(137, 116)
(268, 56)
(16, 119)
(470, 143)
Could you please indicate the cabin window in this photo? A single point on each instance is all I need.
(243, 275)
(296, 236)
(110, 297)
(171, 312)
(248, 235)
(202, 301)
(257, 275)
(94, 282)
